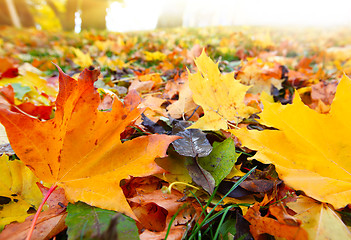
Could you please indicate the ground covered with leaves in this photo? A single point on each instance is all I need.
(213, 133)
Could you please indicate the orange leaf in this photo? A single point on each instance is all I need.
(261, 224)
(80, 149)
(155, 208)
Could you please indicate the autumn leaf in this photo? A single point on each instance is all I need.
(87, 222)
(18, 190)
(193, 142)
(7, 100)
(281, 225)
(220, 96)
(309, 150)
(220, 161)
(50, 222)
(80, 148)
(261, 75)
(319, 219)
(82, 59)
(185, 104)
(35, 82)
(156, 208)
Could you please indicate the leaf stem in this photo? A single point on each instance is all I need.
(35, 219)
(169, 189)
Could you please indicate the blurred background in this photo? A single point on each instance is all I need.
(133, 15)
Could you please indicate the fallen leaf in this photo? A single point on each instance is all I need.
(264, 224)
(175, 165)
(87, 222)
(185, 105)
(18, 189)
(7, 100)
(242, 227)
(83, 153)
(220, 161)
(155, 208)
(200, 176)
(260, 75)
(319, 219)
(140, 86)
(299, 150)
(82, 59)
(153, 127)
(7, 68)
(193, 142)
(220, 96)
(50, 222)
(32, 80)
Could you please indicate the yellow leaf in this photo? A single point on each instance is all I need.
(220, 96)
(154, 56)
(319, 219)
(32, 80)
(82, 59)
(18, 184)
(310, 150)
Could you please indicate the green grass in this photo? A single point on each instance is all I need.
(218, 224)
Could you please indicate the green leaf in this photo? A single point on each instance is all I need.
(87, 222)
(221, 160)
(20, 90)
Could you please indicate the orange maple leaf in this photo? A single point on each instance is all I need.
(80, 148)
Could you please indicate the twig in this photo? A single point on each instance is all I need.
(124, 79)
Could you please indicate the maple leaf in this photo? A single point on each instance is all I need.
(319, 219)
(220, 96)
(282, 226)
(80, 148)
(309, 150)
(82, 59)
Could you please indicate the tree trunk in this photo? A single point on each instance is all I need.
(5, 18)
(26, 17)
(68, 23)
(94, 14)
(67, 18)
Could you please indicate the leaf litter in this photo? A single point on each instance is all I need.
(177, 140)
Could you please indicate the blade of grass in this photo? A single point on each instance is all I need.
(198, 226)
(221, 222)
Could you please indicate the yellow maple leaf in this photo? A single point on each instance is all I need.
(80, 149)
(82, 59)
(17, 183)
(220, 96)
(309, 149)
(319, 219)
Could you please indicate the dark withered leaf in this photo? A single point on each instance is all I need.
(200, 176)
(258, 185)
(242, 228)
(238, 192)
(248, 187)
(152, 126)
(194, 142)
